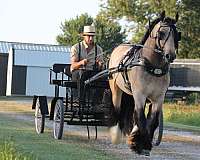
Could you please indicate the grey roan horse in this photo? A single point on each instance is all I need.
(146, 82)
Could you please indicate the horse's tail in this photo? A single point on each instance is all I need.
(121, 122)
(116, 134)
(126, 114)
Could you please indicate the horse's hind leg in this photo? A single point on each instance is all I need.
(115, 130)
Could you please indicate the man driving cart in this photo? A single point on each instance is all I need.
(86, 59)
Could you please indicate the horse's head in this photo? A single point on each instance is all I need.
(166, 37)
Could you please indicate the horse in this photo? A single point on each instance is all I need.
(148, 81)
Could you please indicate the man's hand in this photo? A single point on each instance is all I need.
(84, 62)
(99, 63)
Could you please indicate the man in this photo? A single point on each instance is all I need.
(85, 54)
(86, 59)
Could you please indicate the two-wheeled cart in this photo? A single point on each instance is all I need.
(70, 109)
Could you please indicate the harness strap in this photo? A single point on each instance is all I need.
(79, 51)
(95, 58)
(126, 79)
(132, 54)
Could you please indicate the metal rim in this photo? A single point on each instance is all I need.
(39, 118)
(58, 123)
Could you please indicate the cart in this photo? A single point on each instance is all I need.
(69, 109)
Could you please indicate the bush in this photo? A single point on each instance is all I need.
(193, 98)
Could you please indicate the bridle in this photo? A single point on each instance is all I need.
(159, 38)
(164, 36)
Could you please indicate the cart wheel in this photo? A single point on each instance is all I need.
(159, 131)
(58, 123)
(39, 118)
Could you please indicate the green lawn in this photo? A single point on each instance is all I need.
(23, 139)
(182, 114)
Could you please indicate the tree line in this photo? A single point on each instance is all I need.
(137, 13)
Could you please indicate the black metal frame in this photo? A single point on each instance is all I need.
(77, 112)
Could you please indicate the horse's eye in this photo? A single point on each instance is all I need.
(161, 35)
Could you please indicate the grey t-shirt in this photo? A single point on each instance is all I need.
(84, 55)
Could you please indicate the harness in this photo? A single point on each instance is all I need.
(132, 55)
(155, 71)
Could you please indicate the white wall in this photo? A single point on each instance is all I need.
(37, 82)
(40, 58)
(38, 64)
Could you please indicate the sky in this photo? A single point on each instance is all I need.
(39, 21)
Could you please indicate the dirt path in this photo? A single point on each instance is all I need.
(176, 144)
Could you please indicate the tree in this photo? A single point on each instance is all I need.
(189, 24)
(139, 11)
(109, 33)
(71, 29)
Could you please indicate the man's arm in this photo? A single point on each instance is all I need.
(76, 65)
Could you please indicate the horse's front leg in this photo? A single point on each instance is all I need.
(139, 137)
(153, 116)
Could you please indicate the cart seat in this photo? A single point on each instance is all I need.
(60, 69)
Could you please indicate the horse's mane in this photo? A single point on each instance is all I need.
(150, 28)
(167, 20)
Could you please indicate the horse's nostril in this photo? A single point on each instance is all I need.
(167, 56)
(170, 57)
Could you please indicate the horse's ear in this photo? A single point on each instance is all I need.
(177, 16)
(162, 15)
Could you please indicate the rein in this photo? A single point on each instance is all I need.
(124, 67)
(110, 71)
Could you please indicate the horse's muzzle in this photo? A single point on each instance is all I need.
(170, 57)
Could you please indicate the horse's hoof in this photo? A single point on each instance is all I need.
(132, 141)
(145, 152)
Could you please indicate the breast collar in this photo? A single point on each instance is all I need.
(155, 71)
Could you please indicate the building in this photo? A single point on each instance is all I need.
(25, 67)
(185, 75)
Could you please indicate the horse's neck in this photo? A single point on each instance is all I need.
(149, 53)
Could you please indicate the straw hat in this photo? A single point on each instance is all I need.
(89, 30)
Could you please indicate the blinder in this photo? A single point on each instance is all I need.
(161, 35)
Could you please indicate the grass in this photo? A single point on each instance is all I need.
(182, 114)
(25, 140)
(19, 139)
